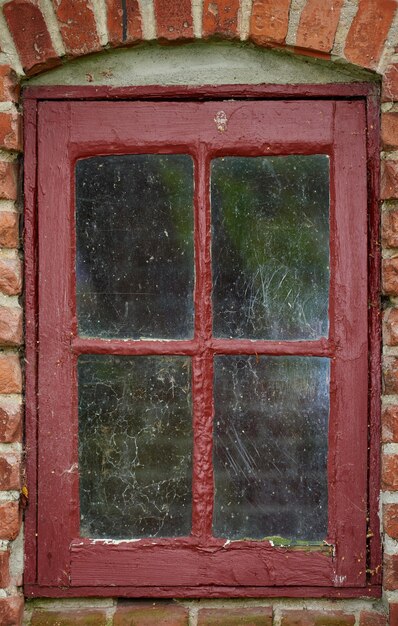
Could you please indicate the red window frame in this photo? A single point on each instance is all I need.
(60, 128)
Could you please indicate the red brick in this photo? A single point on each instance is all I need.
(389, 472)
(9, 229)
(367, 618)
(10, 471)
(389, 91)
(4, 568)
(390, 276)
(10, 421)
(389, 229)
(393, 615)
(9, 520)
(390, 570)
(390, 520)
(368, 33)
(220, 17)
(11, 611)
(8, 180)
(150, 613)
(269, 21)
(389, 131)
(254, 616)
(133, 31)
(390, 327)
(318, 24)
(10, 276)
(10, 374)
(10, 131)
(389, 180)
(389, 422)
(68, 617)
(77, 25)
(9, 84)
(316, 618)
(390, 374)
(173, 19)
(10, 326)
(30, 35)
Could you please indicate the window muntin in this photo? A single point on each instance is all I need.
(253, 128)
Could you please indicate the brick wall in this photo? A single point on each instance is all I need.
(36, 35)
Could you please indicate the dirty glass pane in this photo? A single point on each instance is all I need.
(270, 447)
(134, 246)
(270, 246)
(135, 446)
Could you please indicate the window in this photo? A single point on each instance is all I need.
(202, 371)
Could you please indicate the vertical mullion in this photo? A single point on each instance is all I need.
(203, 484)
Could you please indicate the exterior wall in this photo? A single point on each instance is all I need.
(36, 35)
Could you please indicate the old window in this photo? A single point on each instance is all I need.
(202, 335)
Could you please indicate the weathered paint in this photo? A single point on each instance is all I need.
(88, 136)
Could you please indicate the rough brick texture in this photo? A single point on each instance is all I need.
(8, 180)
(10, 374)
(10, 471)
(389, 231)
(389, 476)
(124, 22)
(389, 422)
(9, 85)
(30, 34)
(390, 327)
(389, 180)
(10, 326)
(318, 24)
(9, 520)
(10, 421)
(260, 616)
(389, 131)
(10, 131)
(220, 17)
(10, 276)
(11, 610)
(390, 520)
(77, 25)
(390, 570)
(269, 21)
(390, 84)
(9, 225)
(317, 618)
(84, 617)
(148, 613)
(173, 19)
(367, 618)
(393, 614)
(368, 33)
(390, 276)
(4, 567)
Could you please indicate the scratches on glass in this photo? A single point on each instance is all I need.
(270, 447)
(270, 247)
(134, 246)
(135, 446)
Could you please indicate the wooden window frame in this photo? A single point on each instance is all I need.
(56, 566)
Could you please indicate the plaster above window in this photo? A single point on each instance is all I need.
(199, 64)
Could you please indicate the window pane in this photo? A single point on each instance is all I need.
(135, 446)
(270, 246)
(134, 259)
(270, 447)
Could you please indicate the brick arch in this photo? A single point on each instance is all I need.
(41, 34)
